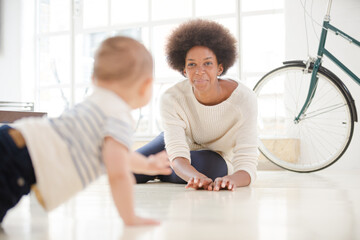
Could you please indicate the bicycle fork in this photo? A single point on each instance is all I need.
(317, 64)
(312, 89)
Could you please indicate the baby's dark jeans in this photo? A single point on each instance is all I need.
(16, 172)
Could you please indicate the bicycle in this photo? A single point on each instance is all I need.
(306, 113)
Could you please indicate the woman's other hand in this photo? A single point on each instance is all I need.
(225, 183)
(240, 178)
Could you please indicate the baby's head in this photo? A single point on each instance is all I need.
(124, 66)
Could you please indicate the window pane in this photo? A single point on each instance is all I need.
(159, 89)
(214, 7)
(95, 13)
(250, 80)
(54, 60)
(142, 120)
(162, 69)
(81, 93)
(231, 24)
(257, 5)
(170, 9)
(123, 12)
(233, 72)
(54, 15)
(54, 101)
(263, 42)
(140, 34)
(86, 45)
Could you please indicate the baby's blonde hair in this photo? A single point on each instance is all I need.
(122, 59)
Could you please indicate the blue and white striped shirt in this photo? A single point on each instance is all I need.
(70, 146)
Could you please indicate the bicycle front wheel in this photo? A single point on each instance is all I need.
(324, 132)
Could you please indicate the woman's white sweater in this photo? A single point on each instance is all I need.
(228, 128)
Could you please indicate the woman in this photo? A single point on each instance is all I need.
(209, 122)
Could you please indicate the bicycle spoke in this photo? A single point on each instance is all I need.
(322, 111)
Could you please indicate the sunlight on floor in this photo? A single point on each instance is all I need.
(280, 205)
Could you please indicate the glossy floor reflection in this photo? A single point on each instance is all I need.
(280, 205)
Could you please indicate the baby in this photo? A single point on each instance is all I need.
(58, 157)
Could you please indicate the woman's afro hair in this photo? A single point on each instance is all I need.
(200, 32)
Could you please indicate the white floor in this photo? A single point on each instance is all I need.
(280, 205)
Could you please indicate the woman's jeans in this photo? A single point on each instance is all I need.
(207, 162)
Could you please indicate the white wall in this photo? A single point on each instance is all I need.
(10, 19)
(345, 15)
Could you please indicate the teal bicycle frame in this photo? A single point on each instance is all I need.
(321, 52)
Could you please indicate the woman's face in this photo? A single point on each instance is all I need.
(202, 68)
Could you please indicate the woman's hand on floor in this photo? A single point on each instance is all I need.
(200, 183)
(225, 183)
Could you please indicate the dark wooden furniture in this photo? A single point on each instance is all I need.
(11, 116)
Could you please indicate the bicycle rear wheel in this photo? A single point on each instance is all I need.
(325, 131)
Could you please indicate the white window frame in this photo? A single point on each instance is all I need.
(76, 27)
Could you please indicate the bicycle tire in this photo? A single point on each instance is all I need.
(319, 139)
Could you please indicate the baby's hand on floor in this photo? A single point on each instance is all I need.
(159, 164)
(139, 221)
